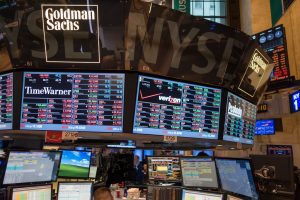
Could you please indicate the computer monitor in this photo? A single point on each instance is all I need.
(75, 190)
(195, 195)
(75, 164)
(229, 197)
(199, 172)
(93, 171)
(31, 167)
(43, 192)
(277, 169)
(164, 169)
(236, 176)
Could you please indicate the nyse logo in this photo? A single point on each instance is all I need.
(71, 27)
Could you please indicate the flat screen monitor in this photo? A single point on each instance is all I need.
(165, 107)
(32, 193)
(295, 102)
(236, 176)
(72, 101)
(93, 172)
(240, 119)
(31, 167)
(164, 169)
(265, 127)
(195, 195)
(75, 191)
(75, 164)
(6, 101)
(280, 150)
(278, 168)
(199, 172)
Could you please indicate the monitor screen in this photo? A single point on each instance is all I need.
(75, 164)
(295, 102)
(280, 150)
(72, 101)
(31, 167)
(75, 191)
(240, 119)
(203, 153)
(164, 169)
(32, 193)
(236, 176)
(6, 101)
(93, 172)
(195, 195)
(229, 197)
(165, 107)
(265, 127)
(199, 172)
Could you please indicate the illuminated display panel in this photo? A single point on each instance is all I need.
(265, 127)
(273, 42)
(32, 193)
(280, 150)
(165, 107)
(197, 195)
(240, 120)
(72, 101)
(295, 102)
(75, 191)
(6, 101)
(164, 169)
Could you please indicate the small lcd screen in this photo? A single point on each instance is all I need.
(6, 101)
(295, 102)
(280, 150)
(165, 107)
(203, 153)
(199, 172)
(75, 191)
(240, 119)
(31, 167)
(72, 101)
(164, 169)
(236, 176)
(195, 195)
(75, 164)
(32, 193)
(93, 171)
(265, 127)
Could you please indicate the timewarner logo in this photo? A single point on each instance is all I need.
(170, 99)
(235, 111)
(46, 90)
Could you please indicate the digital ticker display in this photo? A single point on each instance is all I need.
(274, 44)
(265, 127)
(165, 107)
(72, 101)
(295, 102)
(6, 101)
(240, 120)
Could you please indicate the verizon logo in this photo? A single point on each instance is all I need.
(235, 111)
(170, 99)
(47, 90)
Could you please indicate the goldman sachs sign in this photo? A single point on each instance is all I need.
(77, 26)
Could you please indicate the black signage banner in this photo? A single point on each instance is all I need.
(167, 42)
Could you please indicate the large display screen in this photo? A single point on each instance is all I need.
(274, 44)
(199, 172)
(31, 167)
(164, 169)
(165, 107)
(75, 191)
(265, 127)
(32, 193)
(6, 101)
(73, 101)
(75, 164)
(236, 176)
(295, 102)
(197, 195)
(240, 120)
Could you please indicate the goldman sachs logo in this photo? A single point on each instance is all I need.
(59, 18)
(234, 110)
(258, 62)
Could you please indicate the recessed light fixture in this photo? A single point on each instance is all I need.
(219, 145)
(6, 136)
(232, 148)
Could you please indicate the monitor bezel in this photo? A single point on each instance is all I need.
(74, 182)
(200, 157)
(203, 191)
(28, 183)
(161, 180)
(252, 172)
(273, 120)
(84, 178)
(172, 79)
(11, 192)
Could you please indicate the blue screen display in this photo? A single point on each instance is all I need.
(295, 101)
(208, 152)
(265, 127)
(236, 176)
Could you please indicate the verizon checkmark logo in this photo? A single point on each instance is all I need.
(149, 96)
